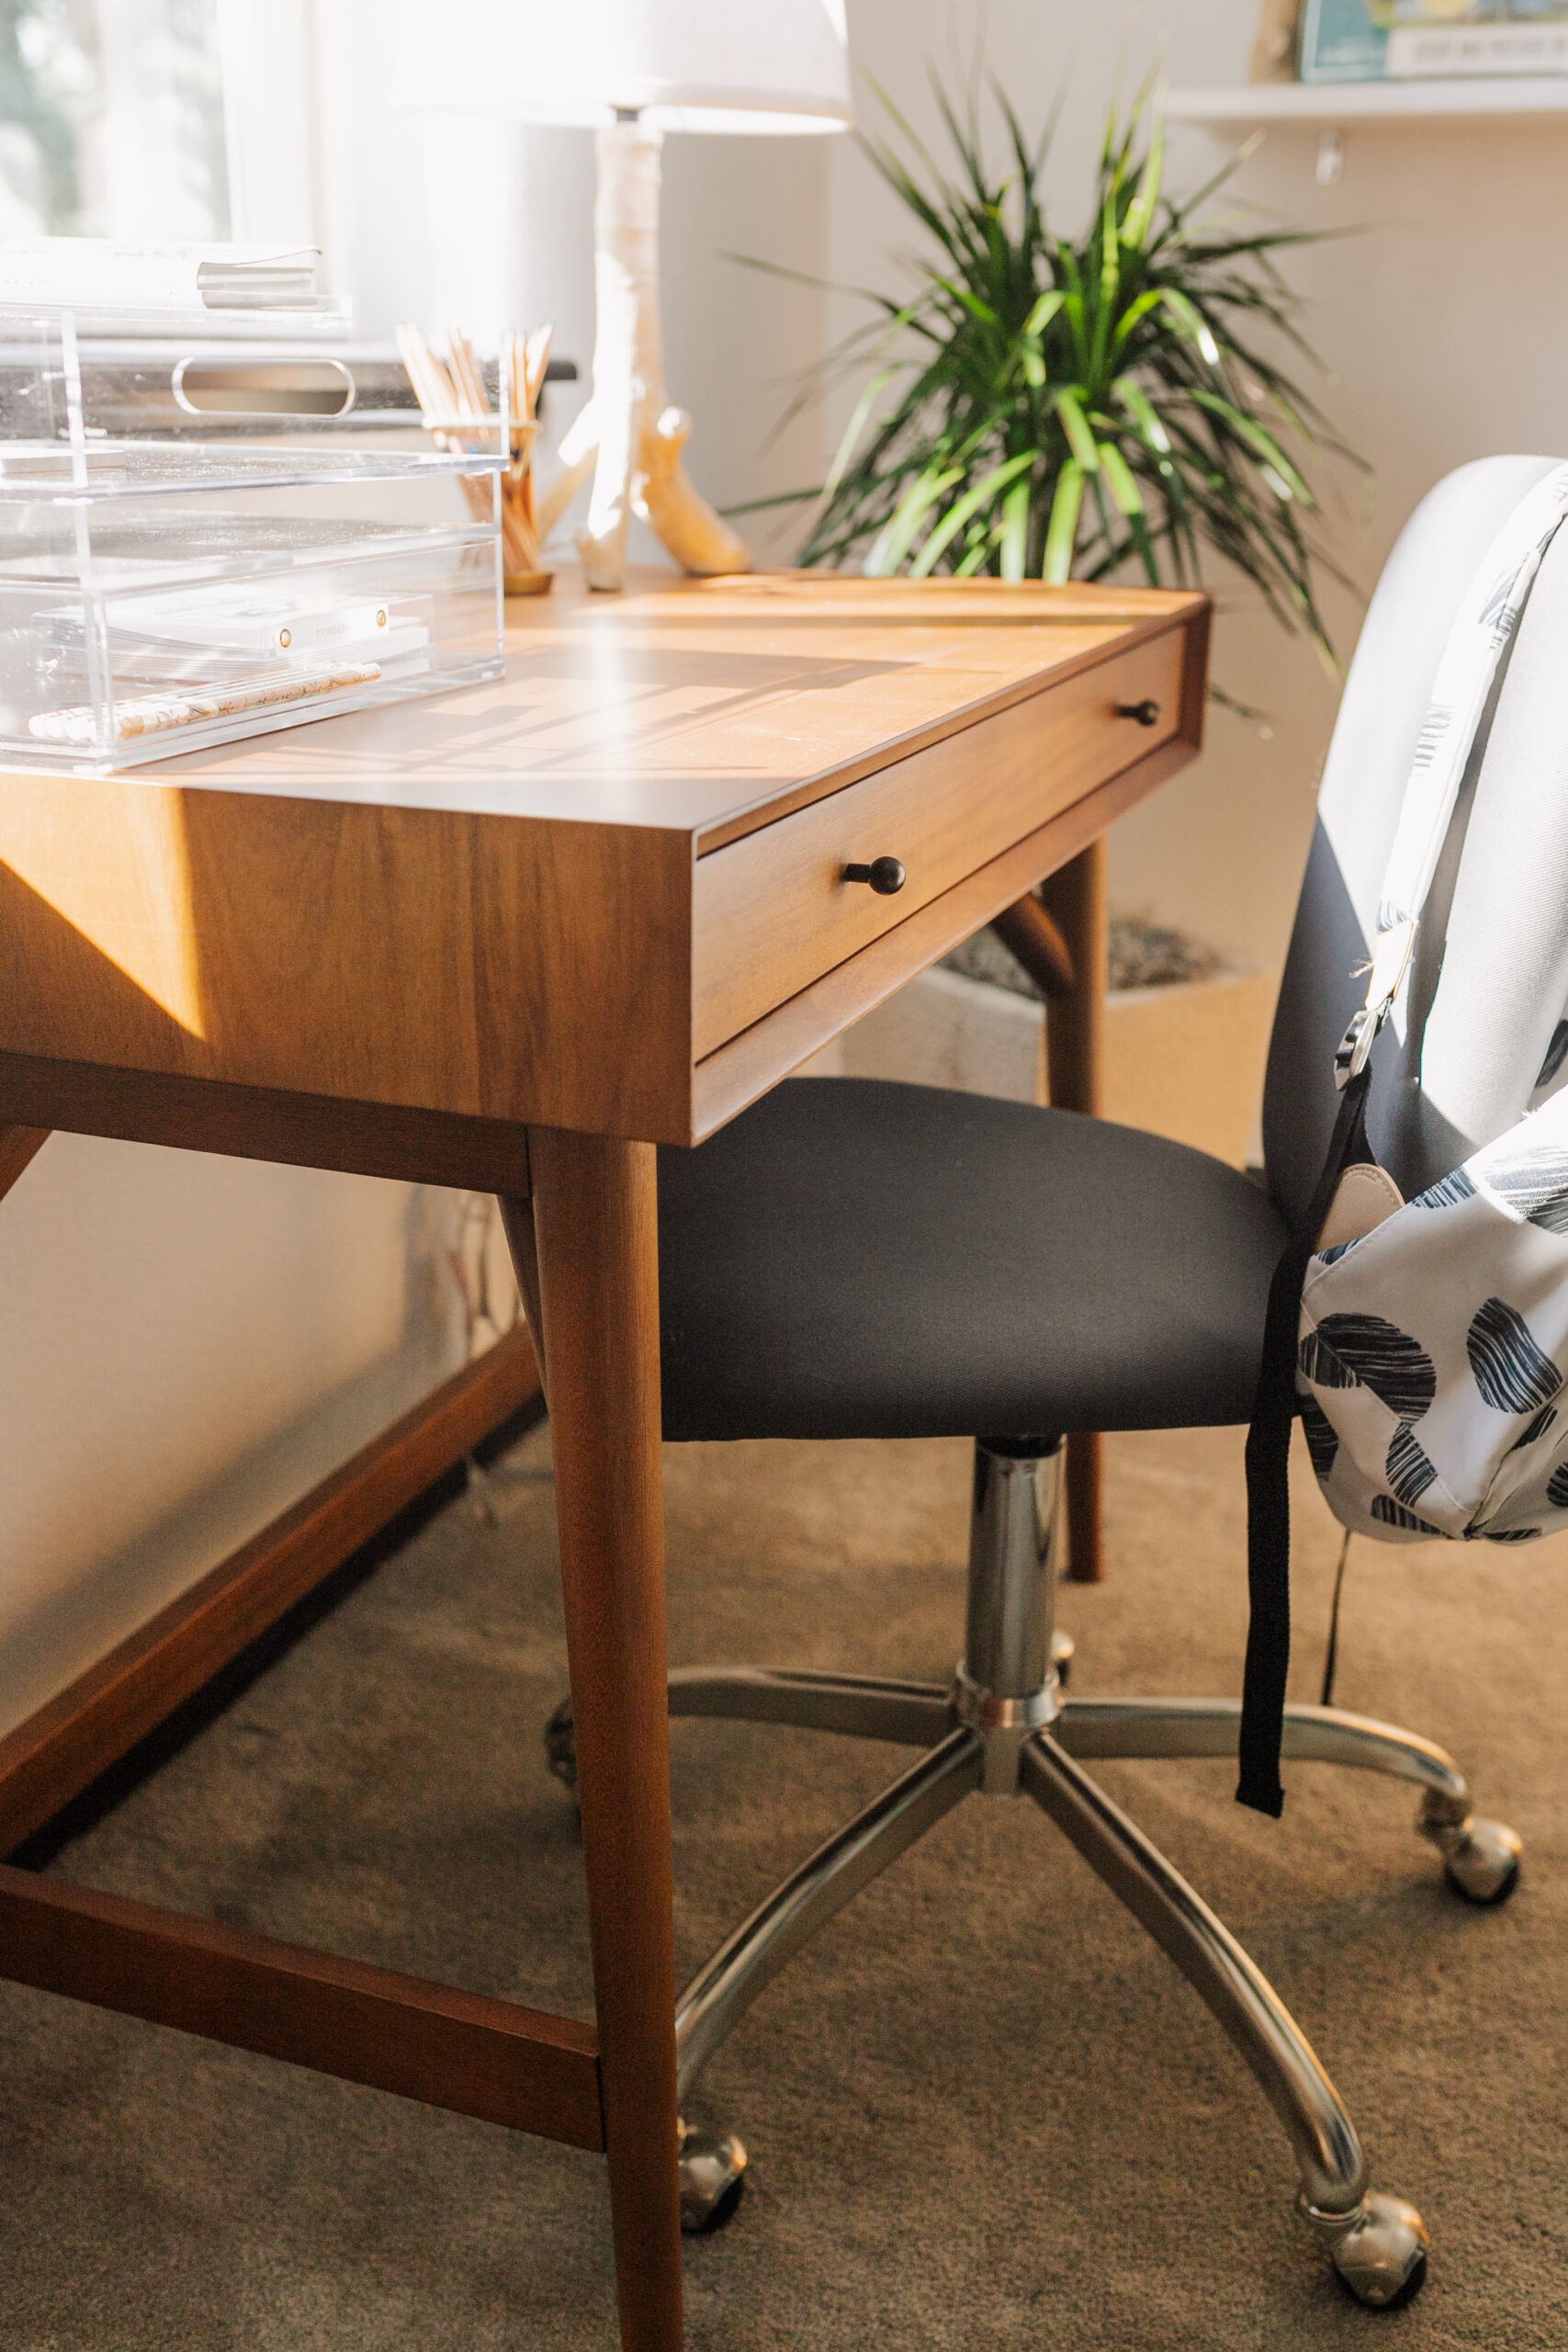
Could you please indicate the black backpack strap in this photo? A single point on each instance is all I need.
(1267, 1480)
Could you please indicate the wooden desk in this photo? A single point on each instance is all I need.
(511, 939)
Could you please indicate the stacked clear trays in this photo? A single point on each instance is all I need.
(162, 595)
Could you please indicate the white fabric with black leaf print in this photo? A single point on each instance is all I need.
(1430, 1364)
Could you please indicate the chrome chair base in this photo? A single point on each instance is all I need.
(1004, 1727)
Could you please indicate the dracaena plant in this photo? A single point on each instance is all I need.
(1052, 407)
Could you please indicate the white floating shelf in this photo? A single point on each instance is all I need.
(1326, 104)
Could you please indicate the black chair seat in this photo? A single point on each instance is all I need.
(852, 1258)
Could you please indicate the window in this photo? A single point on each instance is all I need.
(111, 119)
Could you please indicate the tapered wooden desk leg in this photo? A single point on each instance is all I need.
(595, 1223)
(1074, 1032)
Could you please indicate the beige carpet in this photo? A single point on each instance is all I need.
(983, 2112)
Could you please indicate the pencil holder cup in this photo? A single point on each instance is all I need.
(457, 411)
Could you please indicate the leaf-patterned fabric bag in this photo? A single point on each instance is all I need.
(1423, 1343)
(1430, 1351)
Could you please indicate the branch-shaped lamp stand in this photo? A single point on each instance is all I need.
(628, 436)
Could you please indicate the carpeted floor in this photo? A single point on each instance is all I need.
(983, 2112)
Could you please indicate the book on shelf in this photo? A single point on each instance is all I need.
(104, 274)
(1397, 40)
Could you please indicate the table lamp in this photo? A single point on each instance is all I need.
(632, 69)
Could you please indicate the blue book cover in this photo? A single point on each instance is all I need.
(1343, 40)
(1373, 40)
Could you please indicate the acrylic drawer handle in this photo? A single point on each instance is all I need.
(242, 387)
(885, 875)
(1146, 712)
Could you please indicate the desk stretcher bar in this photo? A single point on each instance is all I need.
(491, 2059)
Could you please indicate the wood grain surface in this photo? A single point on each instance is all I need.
(545, 900)
(423, 1147)
(493, 2059)
(595, 1227)
(514, 937)
(1034, 940)
(773, 911)
(744, 1068)
(1075, 899)
(365, 953)
(705, 707)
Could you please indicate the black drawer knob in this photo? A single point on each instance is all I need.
(885, 875)
(1146, 712)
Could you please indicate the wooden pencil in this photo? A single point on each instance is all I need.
(455, 406)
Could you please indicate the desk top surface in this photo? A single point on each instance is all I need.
(697, 705)
(486, 904)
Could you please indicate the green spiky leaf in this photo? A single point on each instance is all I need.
(1062, 532)
(1067, 406)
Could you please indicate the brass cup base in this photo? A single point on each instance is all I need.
(527, 583)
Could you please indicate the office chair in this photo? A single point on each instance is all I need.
(863, 1259)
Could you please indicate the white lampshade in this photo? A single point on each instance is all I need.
(680, 64)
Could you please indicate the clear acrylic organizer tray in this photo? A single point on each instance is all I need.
(165, 595)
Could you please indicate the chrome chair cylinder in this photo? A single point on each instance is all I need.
(1007, 1686)
(1012, 1527)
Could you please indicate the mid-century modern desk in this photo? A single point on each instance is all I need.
(513, 939)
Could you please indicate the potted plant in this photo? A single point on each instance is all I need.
(1050, 407)
(1046, 406)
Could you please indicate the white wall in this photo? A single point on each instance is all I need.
(1445, 339)
(186, 1344)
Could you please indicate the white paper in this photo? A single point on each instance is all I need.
(1419, 52)
(101, 274)
(258, 623)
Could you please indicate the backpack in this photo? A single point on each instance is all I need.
(1421, 1343)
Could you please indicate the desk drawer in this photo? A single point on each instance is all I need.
(771, 911)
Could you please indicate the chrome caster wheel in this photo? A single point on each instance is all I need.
(1481, 1858)
(1063, 1647)
(560, 1745)
(1483, 1864)
(1378, 2251)
(713, 2176)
